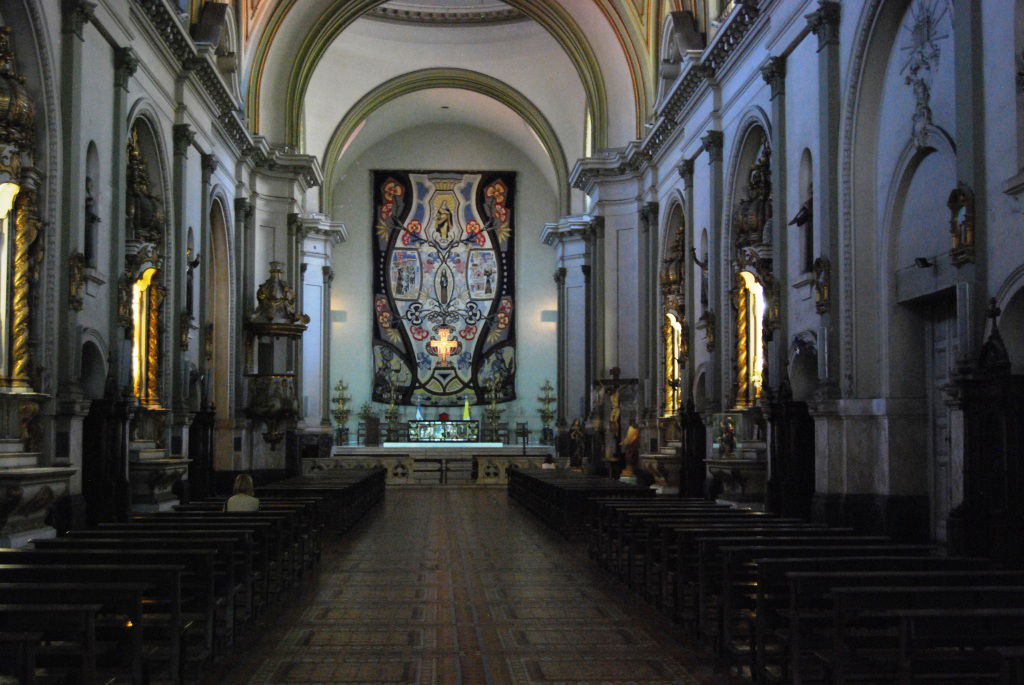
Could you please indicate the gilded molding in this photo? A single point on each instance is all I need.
(157, 293)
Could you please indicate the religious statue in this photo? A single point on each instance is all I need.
(576, 442)
(615, 414)
(703, 266)
(727, 438)
(752, 218)
(804, 218)
(444, 221)
(631, 447)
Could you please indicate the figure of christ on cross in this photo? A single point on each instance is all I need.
(444, 347)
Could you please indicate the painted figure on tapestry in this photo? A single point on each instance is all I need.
(444, 290)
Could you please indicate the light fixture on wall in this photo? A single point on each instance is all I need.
(923, 262)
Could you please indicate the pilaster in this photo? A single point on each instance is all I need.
(183, 138)
(685, 170)
(774, 74)
(824, 22)
(648, 270)
(713, 142)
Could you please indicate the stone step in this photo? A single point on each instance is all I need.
(8, 445)
(19, 459)
(147, 454)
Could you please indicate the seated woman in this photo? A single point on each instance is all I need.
(243, 499)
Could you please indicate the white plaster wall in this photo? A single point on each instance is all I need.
(445, 148)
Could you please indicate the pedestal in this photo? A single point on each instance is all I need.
(26, 495)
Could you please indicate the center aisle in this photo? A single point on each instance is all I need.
(460, 586)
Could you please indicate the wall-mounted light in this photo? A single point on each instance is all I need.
(549, 315)
(923, 262)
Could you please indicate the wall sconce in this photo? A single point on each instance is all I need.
(549, 315)
(923, 262)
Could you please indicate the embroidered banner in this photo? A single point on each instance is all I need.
(444, 287)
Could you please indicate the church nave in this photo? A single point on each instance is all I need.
(462, 586)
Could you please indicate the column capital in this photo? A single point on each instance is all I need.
(560, 276)
(210, 165)
(824, 23)
(77, 13)
(649, 214)
(126, 62)
(713, 141)
(685, 170)
(184, 136)
(328, 274)
(774, 74)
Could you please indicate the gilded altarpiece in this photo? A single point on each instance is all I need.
(444, 287)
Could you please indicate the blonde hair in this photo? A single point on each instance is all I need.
(243, 485)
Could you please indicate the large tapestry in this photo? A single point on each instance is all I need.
(444, 287)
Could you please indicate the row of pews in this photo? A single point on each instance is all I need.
(781, 600)
(560, 498)
(162, 595)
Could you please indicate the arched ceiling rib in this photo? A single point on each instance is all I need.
(323, 27)
(446, 78)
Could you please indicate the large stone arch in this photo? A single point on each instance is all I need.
(554, 18)
(427, 79)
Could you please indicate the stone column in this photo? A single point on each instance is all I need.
(774, 74)
(560, 331)
(325, 348)
(574, 241)
(717, 360)
(125, 64)
(175, 306)
(691, 288)
(648, 270)
(824, 22)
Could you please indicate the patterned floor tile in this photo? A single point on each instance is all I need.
(460, 587)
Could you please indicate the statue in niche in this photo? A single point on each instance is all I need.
(703, 266)
(444, 220)
(804, 218)
(753, 215)
(145, 213)
(727, 438)
(191, 263)
(576, 440)
(91, 220)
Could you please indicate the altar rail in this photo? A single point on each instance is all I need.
(432, 465)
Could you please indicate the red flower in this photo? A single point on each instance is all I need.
(414, 226)
(419, 333)
(384, 319)
(473, 226)
(380, 304)
(385, 210)
(502, 321)
(406, 238)
(468, 333)
(481, 239)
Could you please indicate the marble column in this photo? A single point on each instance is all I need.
(692, 287)
(648, 263)
(174, 307)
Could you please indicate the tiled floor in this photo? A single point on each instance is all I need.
(459, 586)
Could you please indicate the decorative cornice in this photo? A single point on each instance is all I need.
(579, 227)
(199, 62)
(824, 23)
(77, 13)
(729, 36)
(184, 136)
(126, 62)
(774, 74)
(305, 168)
(466, 16)
(317, 225)
(713, 141)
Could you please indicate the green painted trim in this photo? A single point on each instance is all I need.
(558, 22)
(463, 79)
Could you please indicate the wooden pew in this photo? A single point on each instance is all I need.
(165, 581)
(198, 579)
(75, 622)
(936, 634)
(18, 652)
(224, 566)
(121, 603)
(733, 620)
(809, 614)
(243, 546)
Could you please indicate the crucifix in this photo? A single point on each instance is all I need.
(613, 391)
(444, 347)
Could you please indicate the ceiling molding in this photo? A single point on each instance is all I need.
(341, 13)
(428, 79)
